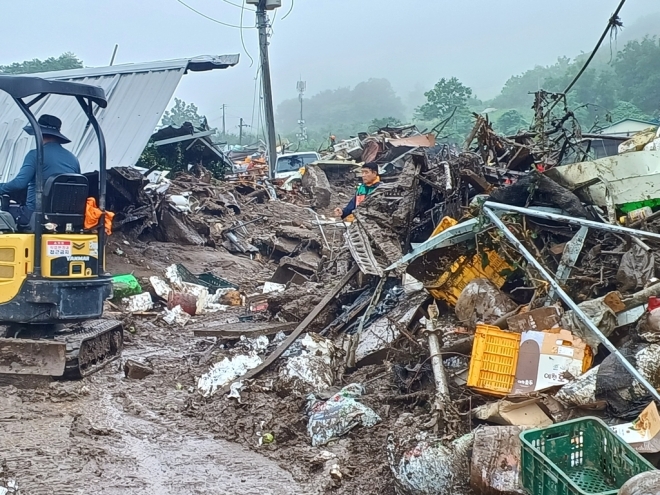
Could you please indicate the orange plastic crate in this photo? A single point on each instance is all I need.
(494, 360)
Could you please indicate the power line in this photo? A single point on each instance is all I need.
(242, 39)
(612, 23)
(290, 9)
(211, 18)
(254, 96)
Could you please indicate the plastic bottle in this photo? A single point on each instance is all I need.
(638, 214)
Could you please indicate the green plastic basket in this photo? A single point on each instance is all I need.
(208, 280)
(581, 457)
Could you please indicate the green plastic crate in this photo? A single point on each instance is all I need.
(208, 280)
(578, 457)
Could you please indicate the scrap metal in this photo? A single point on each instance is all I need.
(559, 291)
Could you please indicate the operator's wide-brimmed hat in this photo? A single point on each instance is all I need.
(50, 126)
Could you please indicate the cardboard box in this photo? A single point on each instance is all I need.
(549, 359)
(536, 319)
(643, 434)
(504, 412)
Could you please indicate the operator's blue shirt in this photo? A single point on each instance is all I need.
(57, 160)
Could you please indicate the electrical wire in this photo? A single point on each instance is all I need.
(290, 9)
(613, 23)
(243, 39)
(211, 18)
(254, 96)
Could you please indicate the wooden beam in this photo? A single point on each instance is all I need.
(299, 329)
(232, 331)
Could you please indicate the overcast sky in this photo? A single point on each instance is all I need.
(328, 43)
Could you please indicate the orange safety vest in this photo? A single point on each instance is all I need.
(93, 215)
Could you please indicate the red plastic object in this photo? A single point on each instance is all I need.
(654, 303)
(188, 302)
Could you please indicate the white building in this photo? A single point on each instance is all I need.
(626, 128)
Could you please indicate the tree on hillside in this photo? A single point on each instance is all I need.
(446, 96)
(375, 98)
(342, 107)
(517, 89)
(511, 123)
(65, 61)
(182, 112)
(626, 110)
(637, 68)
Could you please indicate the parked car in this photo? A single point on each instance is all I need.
(289, 164)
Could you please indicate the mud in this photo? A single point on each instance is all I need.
(112, 435)
(158, 435)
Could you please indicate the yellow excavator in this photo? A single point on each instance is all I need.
(53, 282)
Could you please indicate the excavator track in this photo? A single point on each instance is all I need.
(91, 346)
(69, 352)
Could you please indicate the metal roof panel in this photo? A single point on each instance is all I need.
(137, 96)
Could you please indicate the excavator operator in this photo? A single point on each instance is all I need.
(370, 181)
(57, 160)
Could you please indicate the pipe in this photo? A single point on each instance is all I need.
(38, 186)
(571, 220)
(318, 222)
(439, 375)
(87, 107)
(565, 297)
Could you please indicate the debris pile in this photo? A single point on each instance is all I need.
(479, 297)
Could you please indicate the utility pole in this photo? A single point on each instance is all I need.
(224, 129)
(263, 25)
(301, 87)
(114, 54)
(240, 131)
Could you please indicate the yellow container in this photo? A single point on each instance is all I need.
(494, 361)
(450, 284)
(444, 224)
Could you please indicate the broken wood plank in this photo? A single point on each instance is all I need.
(480, 184)
(232, 331)
(299, 329)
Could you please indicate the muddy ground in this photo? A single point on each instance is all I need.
(109, 434)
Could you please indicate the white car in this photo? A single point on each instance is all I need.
(289, 164)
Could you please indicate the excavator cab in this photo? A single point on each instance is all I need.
(53, 283)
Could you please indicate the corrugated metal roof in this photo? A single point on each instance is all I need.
(137, 94)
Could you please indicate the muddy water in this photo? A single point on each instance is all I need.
(96, 436)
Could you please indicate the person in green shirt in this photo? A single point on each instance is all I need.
(370, 181)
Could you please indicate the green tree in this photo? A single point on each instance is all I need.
(626, 110)
(443, 98)
(637, 68)
(511, 123)
(342, 107)
(182, 112)
(65, 61)
(518, 90)
(446, 96)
